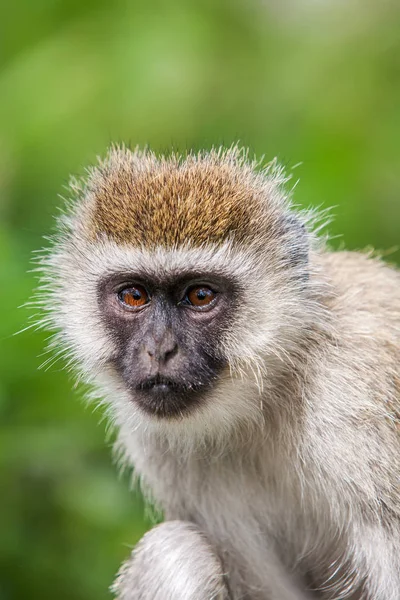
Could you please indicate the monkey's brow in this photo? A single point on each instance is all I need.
(168, 278)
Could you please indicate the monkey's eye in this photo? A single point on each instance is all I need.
(199, 296)
(134, 297)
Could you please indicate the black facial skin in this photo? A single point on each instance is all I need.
(168, 349)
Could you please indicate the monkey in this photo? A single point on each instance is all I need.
(252, 375)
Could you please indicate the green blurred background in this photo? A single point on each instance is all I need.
(311, 82)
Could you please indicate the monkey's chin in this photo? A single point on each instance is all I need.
(167, 399)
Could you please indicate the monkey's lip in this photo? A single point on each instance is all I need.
(159, 384)
(163, 397)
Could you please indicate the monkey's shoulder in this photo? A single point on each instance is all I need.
(365, 290)
(365, 307)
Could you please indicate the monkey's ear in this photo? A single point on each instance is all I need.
(296, 239)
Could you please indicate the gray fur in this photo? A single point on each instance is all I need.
(173, 560)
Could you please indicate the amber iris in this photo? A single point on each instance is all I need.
(200, 295)
(134, 297)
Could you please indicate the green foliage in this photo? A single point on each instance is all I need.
(310, 82)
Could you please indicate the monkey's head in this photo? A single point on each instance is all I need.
(180, 285)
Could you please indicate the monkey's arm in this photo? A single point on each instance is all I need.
(172, 561)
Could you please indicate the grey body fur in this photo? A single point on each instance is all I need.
(287, 485)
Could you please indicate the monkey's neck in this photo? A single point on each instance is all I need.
(175, 471)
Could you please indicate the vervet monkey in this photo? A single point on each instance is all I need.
(252, 374)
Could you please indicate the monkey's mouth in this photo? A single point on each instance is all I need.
(166, 397)
(159, 384)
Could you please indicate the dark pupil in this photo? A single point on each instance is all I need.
(136, 294)
(202, 294)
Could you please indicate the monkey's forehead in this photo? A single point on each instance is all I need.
(140, 200)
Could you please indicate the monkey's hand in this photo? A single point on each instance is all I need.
(172, 561)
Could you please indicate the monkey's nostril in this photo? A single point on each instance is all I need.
(162, 354)
(170, 353)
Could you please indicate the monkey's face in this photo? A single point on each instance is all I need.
(167, 335)
(176, 338)
(178, 286)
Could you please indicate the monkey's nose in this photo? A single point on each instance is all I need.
(161, 351)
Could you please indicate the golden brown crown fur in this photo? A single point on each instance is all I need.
(140, 199)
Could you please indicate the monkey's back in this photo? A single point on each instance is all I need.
(358, 385)
(366, 304)
(365, 284)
